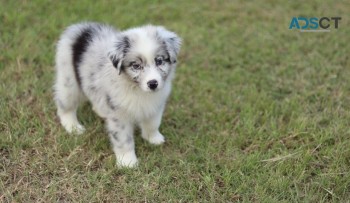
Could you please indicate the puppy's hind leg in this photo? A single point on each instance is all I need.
(67, 97)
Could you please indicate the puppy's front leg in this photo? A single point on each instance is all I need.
(121, 136)
(150, 129)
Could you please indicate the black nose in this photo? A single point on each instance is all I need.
(152, 84)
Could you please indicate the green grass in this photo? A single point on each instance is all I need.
(258, 113)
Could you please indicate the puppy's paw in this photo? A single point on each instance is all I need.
(70, 122)
(128, 160)
(74, 129)
(156, 139)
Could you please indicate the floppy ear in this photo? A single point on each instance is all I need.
(117, 54)
(171, 41)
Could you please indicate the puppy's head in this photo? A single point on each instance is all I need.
(146, 55)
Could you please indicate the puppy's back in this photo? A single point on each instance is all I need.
(74, 43)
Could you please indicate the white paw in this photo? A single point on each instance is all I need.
(70, 123)
(127, 160)
(74, 129)
(156, 139)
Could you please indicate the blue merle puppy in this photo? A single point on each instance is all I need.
(126, 75)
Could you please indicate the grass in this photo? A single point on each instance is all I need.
(258, 112)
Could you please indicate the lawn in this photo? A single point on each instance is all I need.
(258, 112)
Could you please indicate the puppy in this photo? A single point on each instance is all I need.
(126, 75)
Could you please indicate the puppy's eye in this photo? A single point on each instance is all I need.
(159, 61)
(136, 66)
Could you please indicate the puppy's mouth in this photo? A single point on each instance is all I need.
(151, 90)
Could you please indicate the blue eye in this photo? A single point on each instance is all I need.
(159, 61)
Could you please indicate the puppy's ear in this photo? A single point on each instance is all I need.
(172, 42)
(117, 63)
(117, 54)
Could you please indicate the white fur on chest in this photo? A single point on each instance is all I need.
(142, 106)
(129, 101)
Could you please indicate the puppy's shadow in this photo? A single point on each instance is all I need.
(95, 127)
(87, 116)
(95, 134)
(96, 137)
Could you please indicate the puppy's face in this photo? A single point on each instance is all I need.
(149, 73)
(147, 56)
